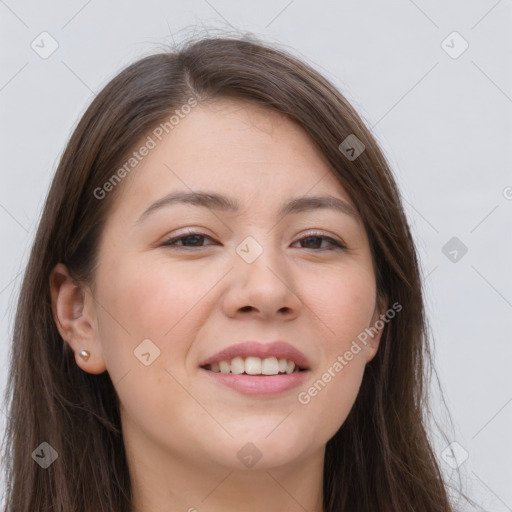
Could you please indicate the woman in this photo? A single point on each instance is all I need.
(222, 309)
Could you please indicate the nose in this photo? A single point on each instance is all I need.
(264, 287)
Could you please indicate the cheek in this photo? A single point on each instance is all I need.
(153, 298)
(146, 302)
(331, 394)
(157, 300)
(344, 302)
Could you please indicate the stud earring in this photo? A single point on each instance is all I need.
(84, 354)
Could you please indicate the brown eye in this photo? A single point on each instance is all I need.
(312, 241)
(315, 242)
(194, 239)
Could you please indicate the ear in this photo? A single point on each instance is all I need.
(378, 322)
(74, 315)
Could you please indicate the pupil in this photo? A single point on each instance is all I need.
(309, 238)
(192, 236)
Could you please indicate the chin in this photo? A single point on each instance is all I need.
(256, 451)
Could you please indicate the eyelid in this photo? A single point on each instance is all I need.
(186, 232)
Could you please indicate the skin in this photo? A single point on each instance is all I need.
(182, 432)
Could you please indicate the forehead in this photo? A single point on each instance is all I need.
(235, 148)
(238, 132)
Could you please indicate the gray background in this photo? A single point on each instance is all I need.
(444, 123)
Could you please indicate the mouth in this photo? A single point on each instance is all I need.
(256, 377)
(257, 359)
(255, 366)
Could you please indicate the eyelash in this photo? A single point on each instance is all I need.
(335, 245)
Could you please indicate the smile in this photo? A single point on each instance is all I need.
(253, 365)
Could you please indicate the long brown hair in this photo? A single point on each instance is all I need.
(380, 459)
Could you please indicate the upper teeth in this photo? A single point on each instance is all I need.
(255, 366)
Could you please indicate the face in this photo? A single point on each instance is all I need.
(182, 281)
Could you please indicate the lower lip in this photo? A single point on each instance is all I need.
(255, 385)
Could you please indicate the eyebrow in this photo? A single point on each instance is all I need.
(221, 202)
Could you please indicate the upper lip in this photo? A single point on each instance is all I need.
(278, 349)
